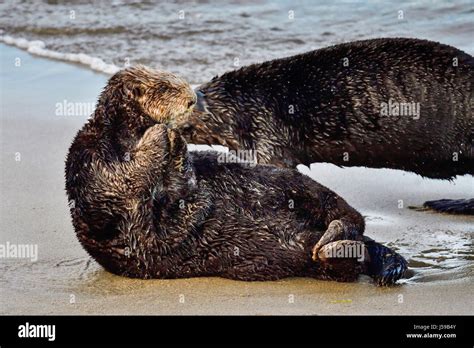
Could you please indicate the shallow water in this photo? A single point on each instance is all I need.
(438, 247)
(201, 39)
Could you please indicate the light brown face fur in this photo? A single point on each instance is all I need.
(161, 95)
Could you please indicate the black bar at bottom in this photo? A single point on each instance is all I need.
(222, 330)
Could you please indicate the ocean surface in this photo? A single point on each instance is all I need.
(200, 39)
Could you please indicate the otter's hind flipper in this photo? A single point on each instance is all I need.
(452, 206)
(385, 265)
(342, 260)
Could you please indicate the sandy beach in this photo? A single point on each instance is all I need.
(40, 100)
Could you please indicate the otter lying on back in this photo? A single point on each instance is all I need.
(383, 103)
(142, 206)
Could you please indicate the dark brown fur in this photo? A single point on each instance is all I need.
(315, 108)
(142, 206)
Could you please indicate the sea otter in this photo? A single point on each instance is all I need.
(383, 103)
(143, 206)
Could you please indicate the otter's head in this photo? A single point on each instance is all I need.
(214, 123)
(158, 94)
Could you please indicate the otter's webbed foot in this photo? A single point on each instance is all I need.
(452, 206)
(344, 260)
(384, 265)
(337, 230)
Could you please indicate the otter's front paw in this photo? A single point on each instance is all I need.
(158, 132)
(178, 149)
(154, 141)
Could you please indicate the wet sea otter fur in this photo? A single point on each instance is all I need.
(143, 206)
(384, 103)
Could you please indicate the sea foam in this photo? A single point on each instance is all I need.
(38, 48)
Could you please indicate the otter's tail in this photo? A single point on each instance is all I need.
(385, 266)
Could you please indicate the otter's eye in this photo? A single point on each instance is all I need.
(191, 103)
(138, 91)
(133, 91)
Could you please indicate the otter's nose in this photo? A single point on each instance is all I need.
(187, 127)
(201, 102)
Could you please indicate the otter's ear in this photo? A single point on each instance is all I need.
(132, 90)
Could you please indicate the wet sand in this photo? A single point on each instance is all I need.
(34, 140)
